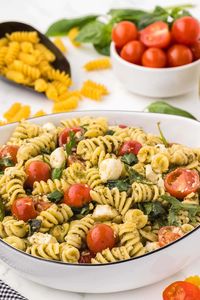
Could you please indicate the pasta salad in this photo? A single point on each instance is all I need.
(89, 192)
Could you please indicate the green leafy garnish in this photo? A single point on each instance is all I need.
(81, 212)
(154, 210)
(34, 226)
(56, 173)
(2, 210)
(176, 207)
(165, 108)
(71, 144)
(129, 159)
(55, 196)
(62, 27)
(134, 176)
(122, 184)
(110, 132)
(162, 135)
(6, 162)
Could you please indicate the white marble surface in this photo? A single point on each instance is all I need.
(41, 14)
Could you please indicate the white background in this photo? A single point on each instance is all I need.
(40, 14)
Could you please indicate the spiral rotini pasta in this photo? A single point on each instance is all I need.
(98, 64)
(82, 177)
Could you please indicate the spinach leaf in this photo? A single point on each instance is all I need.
(6, 162)
(55, 196)
(110, 132)
(103, 50)
(135, 176)
(133, 15)
(56, 173)
(91, 33)
(2, 210)
(63, 26)
(162, 135)
(129, 159)
(153, 209)
(165, 108)
(81, 212)
(71, 144)
(34, 226)
(122, 184)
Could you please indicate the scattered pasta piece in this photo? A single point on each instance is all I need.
(39, 113)
(60, 45)
(194, 280)
(67, 105)
(72, 36)
(8, 115)
(23, 113)
(93, 90)
(98, 64)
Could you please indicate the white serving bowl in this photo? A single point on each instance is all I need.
(124, 275)
(155, 82)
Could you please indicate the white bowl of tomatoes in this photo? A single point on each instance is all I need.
(157, 61)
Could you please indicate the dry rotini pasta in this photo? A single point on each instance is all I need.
(98, 64)
(86, 182)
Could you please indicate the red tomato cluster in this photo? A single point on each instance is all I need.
(156, 46)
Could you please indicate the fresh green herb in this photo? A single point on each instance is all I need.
(110, 132)
(62, 27)
(121, 184)
(165, 108)
(154, 210)
(129, 159)
(2, 210)
(71, 144)
(134, 176)
(34, 226)
(81, 212)
(6, 162)
(56, 173)
(176, 207)
(162, 135)
(55, 196)
(84, 127)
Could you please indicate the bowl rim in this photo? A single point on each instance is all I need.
(114, 54)
(110, 263)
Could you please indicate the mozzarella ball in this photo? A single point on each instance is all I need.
(58, 158)
(110, 169)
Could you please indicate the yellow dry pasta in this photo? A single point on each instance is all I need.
(72, 34)
(60, 45)
(98, 64)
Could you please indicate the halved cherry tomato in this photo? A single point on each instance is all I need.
(122, 126)
(132, 52)
(130, 147)
(64, 136)
(154, 58)
(23, 209)
(9, 151)
(86, 257)
(156, 35)
(37, 171)
(181, 182)
(168, 234)
(181, 290)
(124, 32)
(77, 195)
(179, 55)
(195, 48)
(41, 205)
(186, 30)
(100, 237)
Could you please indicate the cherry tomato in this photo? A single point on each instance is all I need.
(156, 35)
(77, 195)
(195, 48)
(130, 147)
(122, 126)
(64, 136)
(37, 171)
(9, 151)
(132, 52)
(123, 33)
(86, 257)
(41, 205)
(23, 209)
(179, 55)
(186, 30)
(168, 234)
(154, 58)
(181, 290)
(100, 237)
(181, 182)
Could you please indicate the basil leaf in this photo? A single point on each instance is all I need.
(110, 132)
(6, 162)
(162, 135)
(134, 176)
(133, 15)
(103, 50)
(71, 144)
(34, 226)
(165, 108)
(121, 184)
(158, 14)
(129, 159)
(154, 210)
(56, 173)
(55, 196)
(81, 212)
(91, 33)
(63, 26)
(2, 210)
